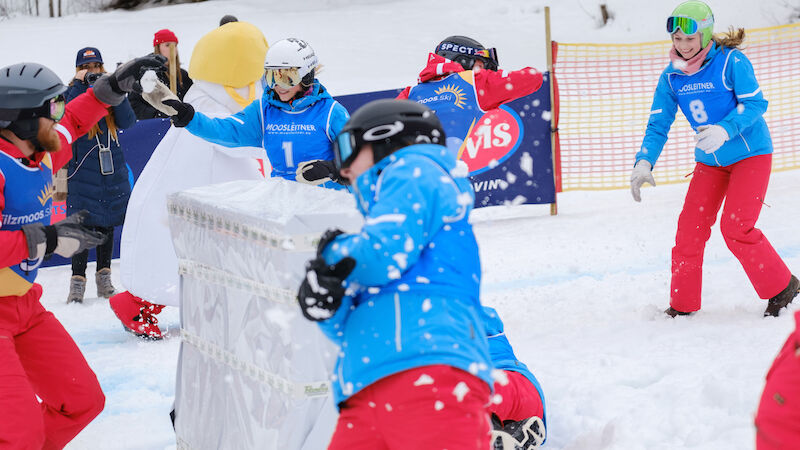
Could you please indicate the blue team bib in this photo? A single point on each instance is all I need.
(28, 199)
(456, 104)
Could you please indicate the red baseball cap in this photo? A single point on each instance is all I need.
(164, 35)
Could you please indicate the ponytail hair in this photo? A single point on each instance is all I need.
(732, 39)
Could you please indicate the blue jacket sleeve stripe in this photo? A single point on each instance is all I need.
(752, 94)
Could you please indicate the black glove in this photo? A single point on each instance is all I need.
(320, 294)
(317, 171)
(112, 87)
(184, 112)
(65, 238)
(327, 237)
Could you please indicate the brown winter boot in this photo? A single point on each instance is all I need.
(783, 299)
(77, 286)
(103, 279)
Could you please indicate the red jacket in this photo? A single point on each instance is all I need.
(493, 87)
(80, 115)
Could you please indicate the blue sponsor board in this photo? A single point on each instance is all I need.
(508, 152)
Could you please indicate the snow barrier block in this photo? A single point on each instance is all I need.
(252, 372)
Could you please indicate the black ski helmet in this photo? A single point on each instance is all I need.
(25, 91)
(388, 125)
(465, 51)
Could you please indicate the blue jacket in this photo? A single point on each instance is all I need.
(413, 295)
(290, 133)
(503, 356)
(104, 196)
(723, 92)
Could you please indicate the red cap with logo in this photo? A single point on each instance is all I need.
(163, 36)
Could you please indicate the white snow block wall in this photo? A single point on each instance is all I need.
(252, 372)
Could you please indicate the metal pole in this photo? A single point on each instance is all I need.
(549, 43)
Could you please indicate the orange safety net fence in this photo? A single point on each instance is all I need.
(604, 93)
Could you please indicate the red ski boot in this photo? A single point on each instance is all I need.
(138, 316)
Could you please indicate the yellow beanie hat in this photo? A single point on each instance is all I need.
(231, 55)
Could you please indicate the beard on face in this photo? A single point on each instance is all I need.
(47, 136)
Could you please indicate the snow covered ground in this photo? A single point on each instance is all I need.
(581, 293)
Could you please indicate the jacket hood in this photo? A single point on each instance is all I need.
(438, 66)
(314, 94)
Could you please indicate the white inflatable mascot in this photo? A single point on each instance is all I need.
(227, 67)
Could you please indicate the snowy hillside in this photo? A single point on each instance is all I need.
(581, 293)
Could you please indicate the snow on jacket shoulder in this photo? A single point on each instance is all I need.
(414, 291)
(724, 92)
(493, 87)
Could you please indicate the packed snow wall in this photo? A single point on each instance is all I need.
(252, 372)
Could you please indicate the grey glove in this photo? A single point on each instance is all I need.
(65, 238)
(112, 87)
(642, 173)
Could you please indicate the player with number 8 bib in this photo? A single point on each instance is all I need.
(714, 85)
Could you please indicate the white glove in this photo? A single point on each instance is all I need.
(642, 173)
(157, 93)
(710, 137)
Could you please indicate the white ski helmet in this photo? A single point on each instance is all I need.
(292, 53)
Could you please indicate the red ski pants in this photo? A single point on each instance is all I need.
(39, 358)
(432, 407)
(778, 418)
(742, 185)
(519, 399)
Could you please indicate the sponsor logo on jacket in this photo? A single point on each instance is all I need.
(290, 127)
(697, 87)
(9, 220)
(458, 96)
(46, 193)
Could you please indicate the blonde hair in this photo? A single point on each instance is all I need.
(178, 74)
(110, 122)
(732, 39)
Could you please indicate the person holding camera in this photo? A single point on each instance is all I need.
(98, 177)
(165, 42)
(48, 392)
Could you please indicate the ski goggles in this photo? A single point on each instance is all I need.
(489, 53)
(344, 149)
(58, 106)
(688, 25)
(53, 108)
(284, 77)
